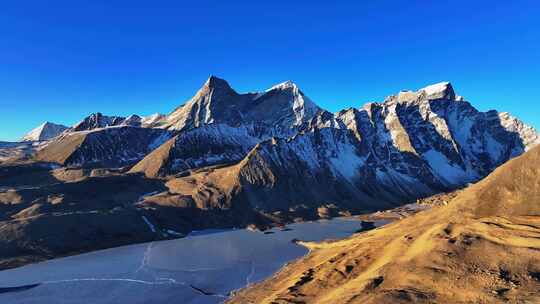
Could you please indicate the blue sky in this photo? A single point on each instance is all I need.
(62, 60)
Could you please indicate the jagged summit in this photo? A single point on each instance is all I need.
(441, 90)
(132, 120)
(283, 106)
(289, 84)
(45, 131)
(437, 91)
(153, 120)
(219, 85)
(214, 86)
(95, 121)
(98, 121)
(216, 82)
(528, 135)
(214, 102)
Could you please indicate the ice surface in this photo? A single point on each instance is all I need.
(202, 268)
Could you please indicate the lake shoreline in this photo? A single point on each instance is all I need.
(20, 261)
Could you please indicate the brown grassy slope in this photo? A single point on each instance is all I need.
(152, 163)
(65, 218)
(484, 247)
(60, 151)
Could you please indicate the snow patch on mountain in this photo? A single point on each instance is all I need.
(346, 161)
(132, 120)
(159, 140)
(45, 131)
(439, 90)
(283, 86)
(442, 167)
(436, 88)
(152, 120)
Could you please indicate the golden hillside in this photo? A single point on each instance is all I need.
(484, 247)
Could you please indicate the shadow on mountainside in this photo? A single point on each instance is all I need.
(70, 217)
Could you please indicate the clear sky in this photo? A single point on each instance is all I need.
(62, 60)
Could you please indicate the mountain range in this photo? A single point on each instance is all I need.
(228, 159)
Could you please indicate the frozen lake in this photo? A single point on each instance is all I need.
(201, 268)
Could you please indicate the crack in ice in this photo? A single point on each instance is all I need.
(161, 282)
(157, 281)
(145, 258)
(251, 274)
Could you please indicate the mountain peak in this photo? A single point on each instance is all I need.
(97, 120)
(441, 90)
(46, 125)
(216, 85)
(289, 84)
(132, 120)
(45, 131)
(216, 82)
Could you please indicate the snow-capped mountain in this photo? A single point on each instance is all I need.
(218, 125)
(45, 131)
(276, 111)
